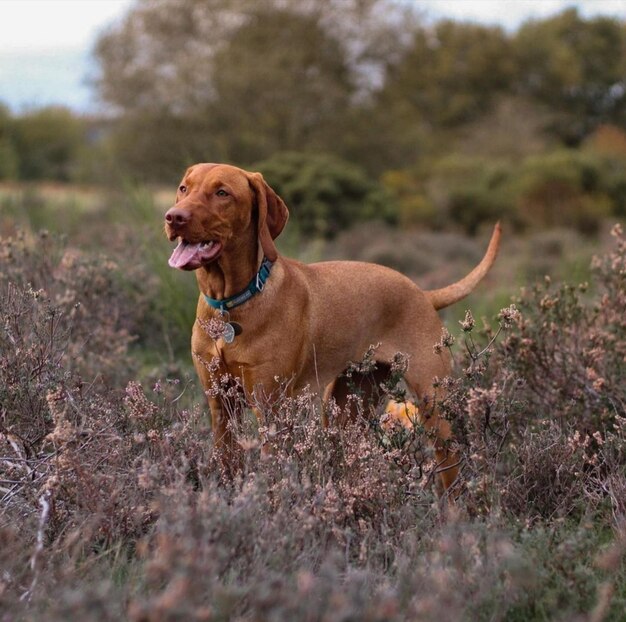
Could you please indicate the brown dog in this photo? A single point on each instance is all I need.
(298, 324)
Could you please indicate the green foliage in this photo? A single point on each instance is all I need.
(367, 81)
(174, 296)
(470, 191)
(9, 165)
(608, 145)
(450, 73)
(461, 123)
(48, 143)
(8, 155)
(563, 188)
(409, 193)
(577, 66)
(325, 194)
(224, 80)
(559, 188)
(296, 49)
(514, 128)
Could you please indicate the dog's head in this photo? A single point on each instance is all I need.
(215, 204)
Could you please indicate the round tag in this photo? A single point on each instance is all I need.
(229, 333)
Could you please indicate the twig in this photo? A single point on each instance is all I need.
(44, 502)
(490, 343)
(182, 392)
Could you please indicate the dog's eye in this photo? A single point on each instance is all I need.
(182, 189)
(221, 193)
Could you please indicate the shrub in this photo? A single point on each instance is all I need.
(9, 163)
(123, 512)
(8, 159)
(49, 143)
(324, 193)
(539, 420)
(78, 455)
(80, 294)
(139, 290)
(468, 191)
(572, 352)
(409, 193)
(608, 145)
(563, 188)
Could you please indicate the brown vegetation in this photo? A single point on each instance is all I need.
(112, 505)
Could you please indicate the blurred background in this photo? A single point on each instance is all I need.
(397, 131)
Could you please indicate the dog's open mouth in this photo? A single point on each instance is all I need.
(187, 256)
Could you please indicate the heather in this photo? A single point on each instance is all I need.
(113, 504)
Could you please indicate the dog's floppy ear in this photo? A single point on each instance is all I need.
(273, 215)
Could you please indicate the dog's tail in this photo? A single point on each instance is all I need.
(446, 296)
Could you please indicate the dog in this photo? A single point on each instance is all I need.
(290, 324)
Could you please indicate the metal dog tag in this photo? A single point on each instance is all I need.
(229, 332)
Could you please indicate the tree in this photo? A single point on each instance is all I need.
(578, 68)
(241, 79)
(48, 142)
(8, 156)
(451, 72)
(297, 97)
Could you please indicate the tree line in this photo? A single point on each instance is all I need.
(413, 105)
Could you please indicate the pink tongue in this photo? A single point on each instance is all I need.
(183, 254)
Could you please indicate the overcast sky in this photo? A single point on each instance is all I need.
(45, 45)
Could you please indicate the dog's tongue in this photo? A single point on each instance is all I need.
(183, 254)
(188, 256)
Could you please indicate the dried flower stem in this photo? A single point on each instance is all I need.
(44, 503)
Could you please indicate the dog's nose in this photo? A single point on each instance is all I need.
(177, 217)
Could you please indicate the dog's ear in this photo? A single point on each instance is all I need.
(273, 215)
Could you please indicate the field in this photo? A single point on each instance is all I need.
(112, 504)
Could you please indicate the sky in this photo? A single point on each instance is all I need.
(46, 45)
(45, 50)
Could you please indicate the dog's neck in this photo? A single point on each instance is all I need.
(232, 271)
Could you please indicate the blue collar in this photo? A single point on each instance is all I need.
(255, 286)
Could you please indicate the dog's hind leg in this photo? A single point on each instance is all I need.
(437, 428)
(355, 396)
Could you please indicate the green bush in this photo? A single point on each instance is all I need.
(48, 142)
(614, 182)
(409, 192)
(563, 188)
(8, 155)
(8, 160)
(608, 143)
(470, 191)
(324, 193)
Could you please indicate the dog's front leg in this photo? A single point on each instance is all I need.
(225, 416)
(264, 397)
(267, 449)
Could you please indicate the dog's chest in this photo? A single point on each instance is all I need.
(233, 357)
